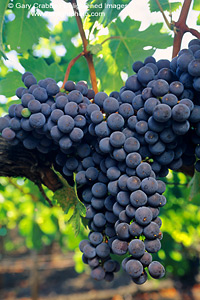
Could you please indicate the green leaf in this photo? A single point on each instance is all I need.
(41, 69)
(131, 42)
(196, 5)
(112, 10)
(9, 85)
(94, 7)
(129, 46)
(23, 32)
(43, 5)
(195, 186)
(3, 7)
(36, 237)
(109, 73)
(198, 20)
(69, 30)
(105, 13)
(165, 4)
(94, 49)
(68, 199)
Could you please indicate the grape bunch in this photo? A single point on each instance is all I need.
(118, 146)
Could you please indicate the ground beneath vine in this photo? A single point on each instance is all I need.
(55, 279)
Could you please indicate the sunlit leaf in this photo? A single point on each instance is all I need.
(3, 8)
(196, 5)
(198, 20)
(9, 84)
(23, 31)
(132, 44)
(195, 186)
(165, 4)
(41, 69)
(106, 12)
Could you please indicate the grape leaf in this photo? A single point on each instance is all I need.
(43, 5)
(198, 20)
(3, 7)
(107, 69)
(131, 42)
(68, 199)
(112, 10)
(165, 4)
(105, 13)
(94, 49)
(25, 31)
(195, 186)
(69, 30)
(41, 69)
(9, 85)
(196, 5)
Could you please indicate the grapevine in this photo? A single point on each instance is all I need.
(118, 146)
(116, 149)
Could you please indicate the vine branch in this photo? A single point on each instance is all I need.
(70, 65)
(80, 24)
(180, 27)
(87, 54)
(184, 13)
(29, 165)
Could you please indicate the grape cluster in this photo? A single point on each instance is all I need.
(118, 146)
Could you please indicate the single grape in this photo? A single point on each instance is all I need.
(135, 229)
(133, 183)
(145, 74)
(152, 246)
(65, 124)
(123, 198)
(156, 270)
(133, 159)
(143, 215)
(115, 121)
(117, 139)
(134, 268)
(132, 83)
(103, 250)
(141, 279)
(96, 238)
(146, 259)
(98, 273)
(122, 231)
(119, 247)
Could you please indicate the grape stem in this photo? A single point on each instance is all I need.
(163, 14)
(44, 195)
(182, 28)
(86, 53)
(70, 65)
(111, 38)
